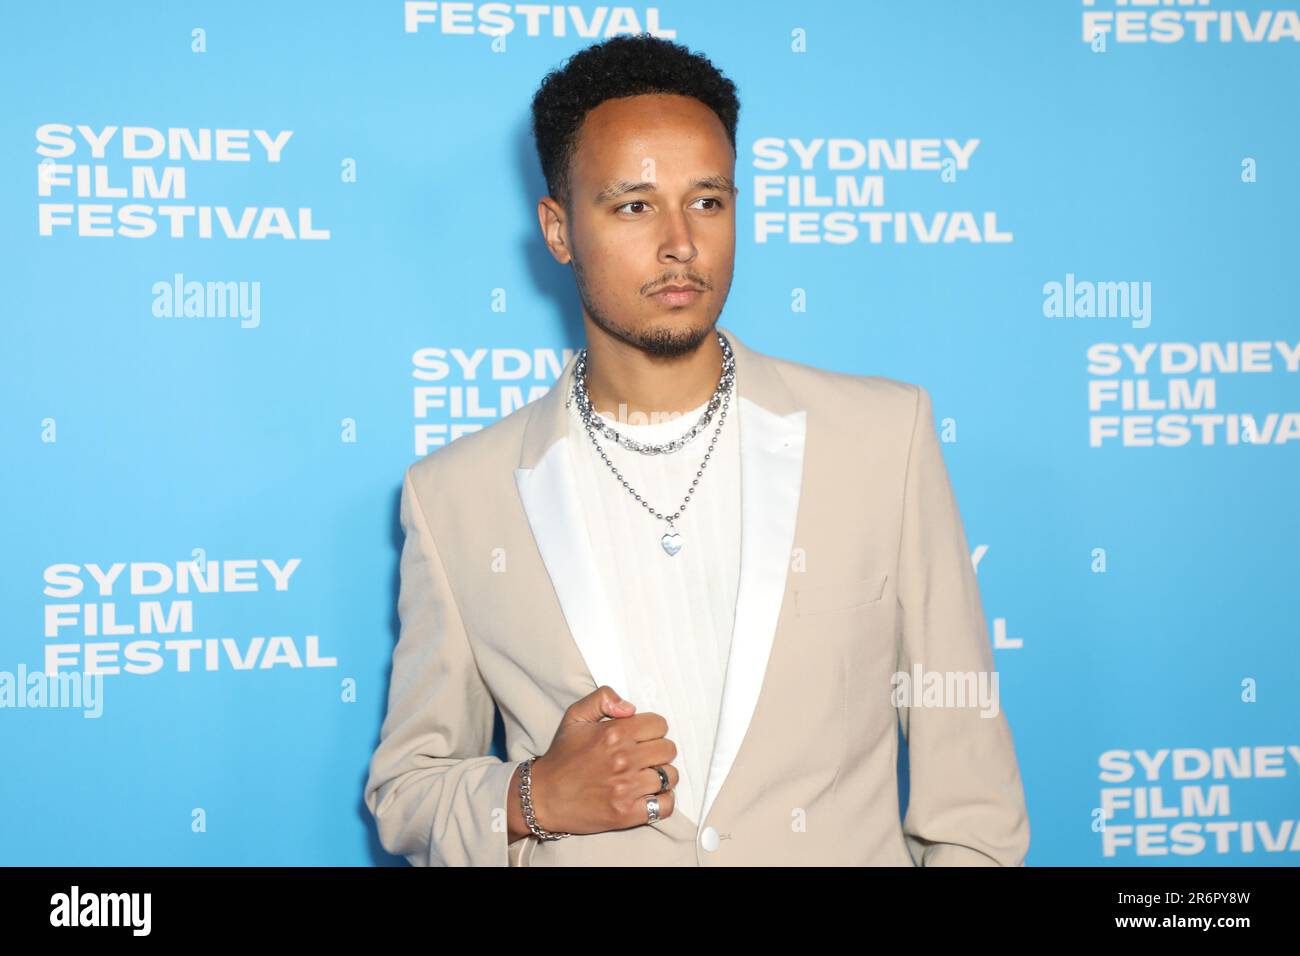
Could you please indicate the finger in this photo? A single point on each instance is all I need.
(658, 750)
(653, 782)
(646, 726)
(617, 707)
(667, 801)
(600, 703)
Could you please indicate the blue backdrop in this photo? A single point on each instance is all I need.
(260, 257)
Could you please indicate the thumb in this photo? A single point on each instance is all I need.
(601, 702)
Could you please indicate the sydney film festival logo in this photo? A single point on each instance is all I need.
(133, 182)
(832, 190)
(138, 617)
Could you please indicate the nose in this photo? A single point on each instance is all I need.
(677, 244)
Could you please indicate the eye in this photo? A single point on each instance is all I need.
(635, 202)
(717, 203)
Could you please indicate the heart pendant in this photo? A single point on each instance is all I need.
(672, 543)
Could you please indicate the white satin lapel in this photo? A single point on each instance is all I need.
(549, 493)
(771, 473)
(548, 490)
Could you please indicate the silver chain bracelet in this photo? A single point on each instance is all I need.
(526, 797)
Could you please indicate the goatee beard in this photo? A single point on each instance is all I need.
(661, 342)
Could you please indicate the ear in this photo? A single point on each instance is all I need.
(554, 225)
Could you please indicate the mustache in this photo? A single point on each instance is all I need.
(697, 283)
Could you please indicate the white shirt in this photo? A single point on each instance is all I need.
(674, 614)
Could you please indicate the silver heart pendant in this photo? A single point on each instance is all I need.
(672, 543)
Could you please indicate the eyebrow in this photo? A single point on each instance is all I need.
(621, 187)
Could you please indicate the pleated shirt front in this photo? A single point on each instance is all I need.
(675, 614)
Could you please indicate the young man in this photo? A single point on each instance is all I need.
(690, 572)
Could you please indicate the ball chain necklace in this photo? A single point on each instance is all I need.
(592, 422)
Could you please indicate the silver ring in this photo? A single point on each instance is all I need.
(652, 807)
(663, 778)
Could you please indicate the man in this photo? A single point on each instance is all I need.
(689, 574)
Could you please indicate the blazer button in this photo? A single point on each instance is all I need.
(709, 839)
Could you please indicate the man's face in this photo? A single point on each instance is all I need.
(652, 204)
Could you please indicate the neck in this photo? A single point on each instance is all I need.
(624, 381)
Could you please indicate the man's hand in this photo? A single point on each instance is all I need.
(597, 773)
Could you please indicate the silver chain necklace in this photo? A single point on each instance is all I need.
(672, 540)
(593, 419)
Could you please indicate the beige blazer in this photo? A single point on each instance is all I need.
(854, 566)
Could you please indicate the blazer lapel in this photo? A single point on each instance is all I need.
(548, 489)
(772, 433)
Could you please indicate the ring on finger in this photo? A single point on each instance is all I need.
(663, 779)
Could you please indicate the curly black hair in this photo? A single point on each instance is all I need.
(620, 66)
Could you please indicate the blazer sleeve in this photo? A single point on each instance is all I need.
(966, 805)
(437, 795)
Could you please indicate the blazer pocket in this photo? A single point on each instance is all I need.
(820, 598)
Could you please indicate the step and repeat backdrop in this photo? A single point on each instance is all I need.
(260, 257)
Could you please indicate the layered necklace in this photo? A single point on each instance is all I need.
(593, 422)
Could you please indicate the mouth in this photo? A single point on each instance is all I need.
(677, 295)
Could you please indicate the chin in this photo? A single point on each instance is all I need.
(678, 335)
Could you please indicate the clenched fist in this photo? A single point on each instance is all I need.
(598, 774)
